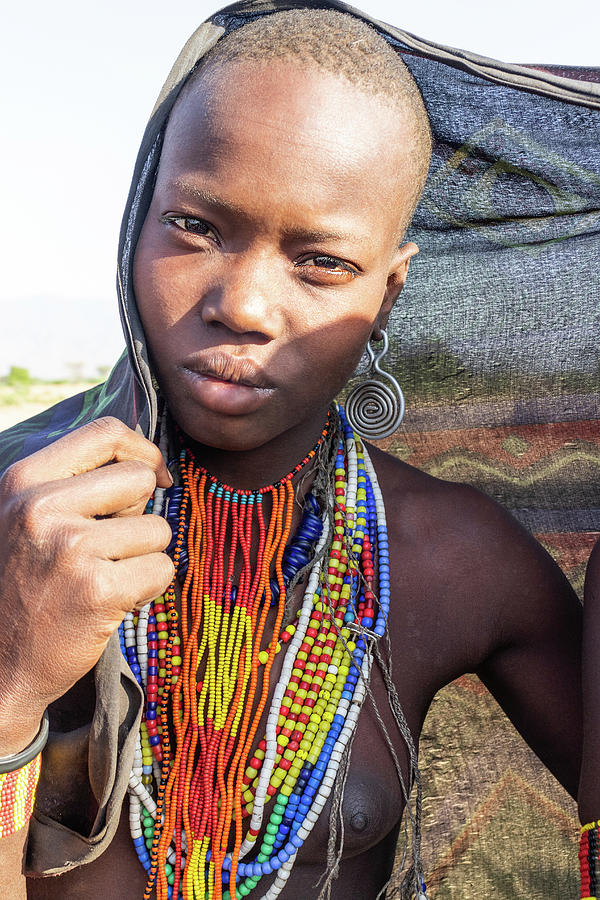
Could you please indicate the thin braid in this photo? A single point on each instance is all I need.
(334, 857)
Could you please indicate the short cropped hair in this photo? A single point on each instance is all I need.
(342, 45)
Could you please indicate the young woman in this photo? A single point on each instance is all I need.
(251, 708)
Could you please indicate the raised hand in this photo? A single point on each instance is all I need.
(76, 554)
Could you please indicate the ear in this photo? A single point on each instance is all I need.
(395, 282)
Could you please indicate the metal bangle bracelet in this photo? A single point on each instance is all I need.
(17, 760)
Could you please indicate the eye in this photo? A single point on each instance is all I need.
(191, 225)
(321, 267)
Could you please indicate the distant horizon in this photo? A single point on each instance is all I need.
(80, 338)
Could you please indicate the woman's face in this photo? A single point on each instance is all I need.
(270, 248)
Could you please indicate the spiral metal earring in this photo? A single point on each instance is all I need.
(374, 409)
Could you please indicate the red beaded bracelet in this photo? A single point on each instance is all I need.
(19, 775)
(589, 861)
(17, 796)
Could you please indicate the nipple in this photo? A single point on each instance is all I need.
(359, 822)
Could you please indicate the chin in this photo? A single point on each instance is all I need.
(226, 433)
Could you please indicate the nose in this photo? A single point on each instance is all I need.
(246, 298)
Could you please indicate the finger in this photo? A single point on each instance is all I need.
(121, 489)
(114, 539)
(89, 447)
(143, 578)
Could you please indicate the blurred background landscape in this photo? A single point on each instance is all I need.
(22, 396)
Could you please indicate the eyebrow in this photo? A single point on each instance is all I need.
(294, 232)
(199, 195)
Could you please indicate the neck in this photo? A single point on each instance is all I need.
(267, 464)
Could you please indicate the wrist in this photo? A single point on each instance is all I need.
(19, 732)
(14, 761)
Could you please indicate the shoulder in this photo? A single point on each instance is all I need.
(467, 554)
(442, 513)
(24, 438)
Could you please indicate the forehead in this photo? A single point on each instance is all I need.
(292, 126)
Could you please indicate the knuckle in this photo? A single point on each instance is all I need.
(156, 454)
(31, 510)
(145, 477)
(155, 534)
(102, 584)
(125, 441)
(165, 572)
(160, 575)
(165, 533)
(139, 480)
(71, 544)
(109, 426)
(168, 565)
(12, 480)
(110, 431)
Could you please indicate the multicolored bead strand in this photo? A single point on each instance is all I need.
(199, 771)
(589, 861)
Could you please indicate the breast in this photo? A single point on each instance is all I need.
(371, 808)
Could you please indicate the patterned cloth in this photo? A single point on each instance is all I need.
(495, 343)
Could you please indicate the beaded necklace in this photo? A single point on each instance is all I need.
(196, 776)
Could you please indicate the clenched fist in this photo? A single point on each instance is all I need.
(76, 554)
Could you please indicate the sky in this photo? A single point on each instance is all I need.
(79, 81)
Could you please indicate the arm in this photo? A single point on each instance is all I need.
(75, 555)
(534, 667)
(12, 855)
(589, 789)
(492, 601)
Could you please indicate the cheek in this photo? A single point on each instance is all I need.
(337, 327)
(160, 288)
(331, 352)
(158, 304)
(147, 280)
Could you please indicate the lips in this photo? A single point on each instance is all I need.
(224, 384)
(221, 366)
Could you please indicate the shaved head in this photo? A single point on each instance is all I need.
(348, 48)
